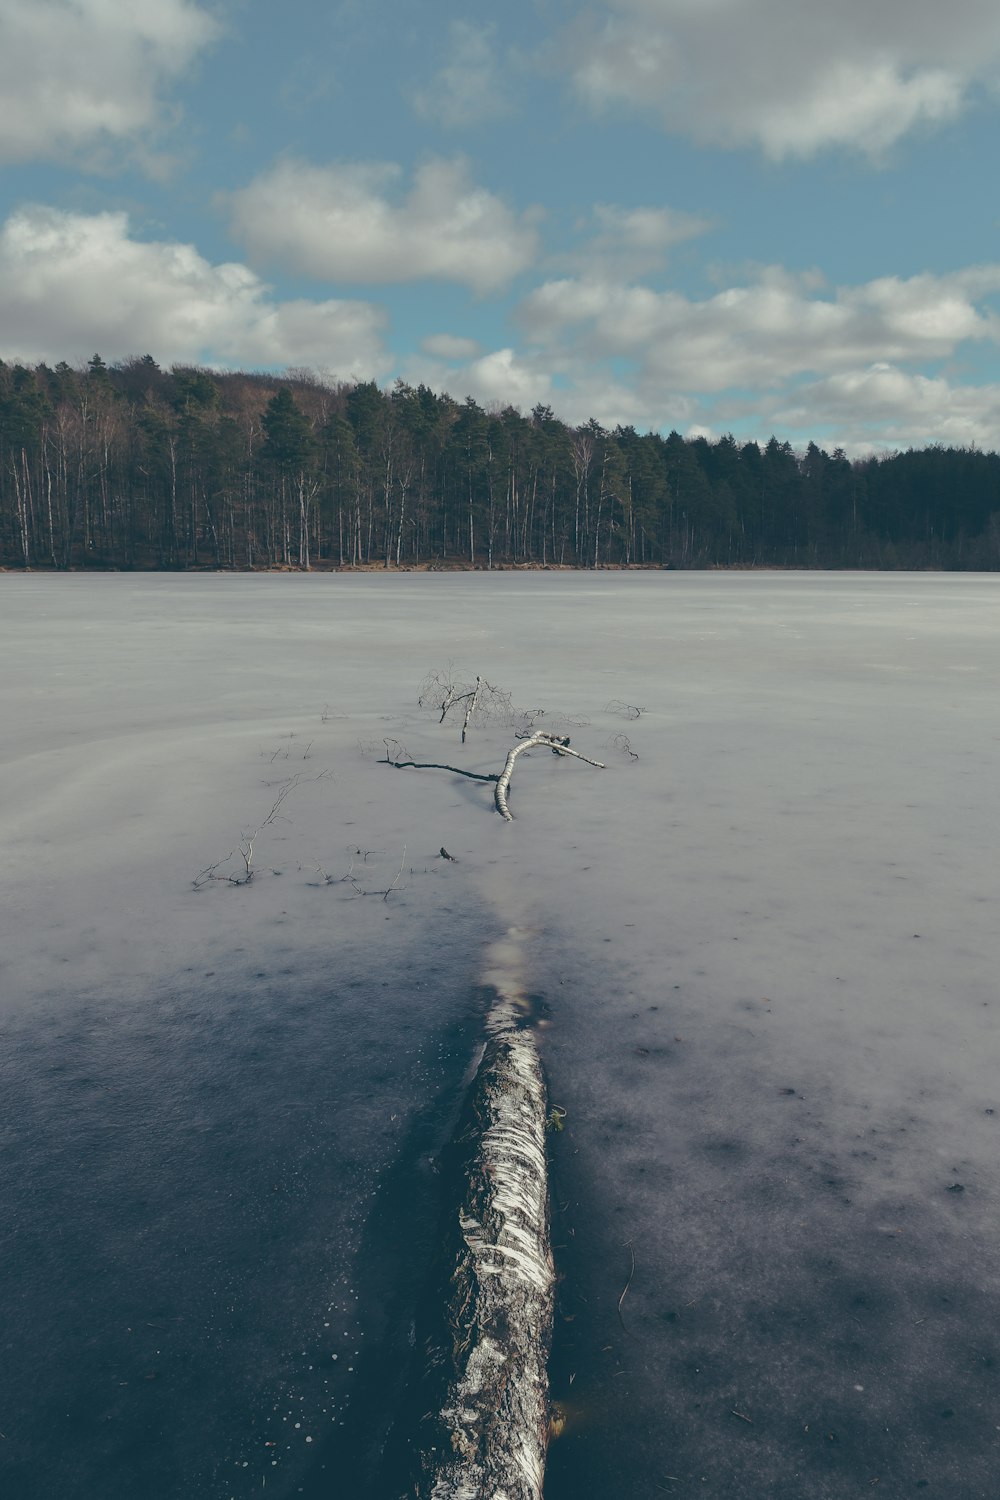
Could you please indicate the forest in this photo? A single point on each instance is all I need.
(131, 466)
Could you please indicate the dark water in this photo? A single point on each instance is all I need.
(216, 1202)
(222, 1205)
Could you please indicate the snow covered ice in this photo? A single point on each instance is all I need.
(764, 951)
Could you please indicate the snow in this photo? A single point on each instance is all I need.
(764, 953)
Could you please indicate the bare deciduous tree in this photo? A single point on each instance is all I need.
(478, 702)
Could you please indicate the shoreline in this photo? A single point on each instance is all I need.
(447, 566)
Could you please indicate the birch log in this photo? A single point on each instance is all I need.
(490, 1437)
(470, 708)
(557, 744)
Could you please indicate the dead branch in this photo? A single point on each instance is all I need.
(440, 683)
(556, 723)
(399, 872)
(622, 744)
(558, 744)
(327, 879)
(386, 891)
(471, 708)
(433, 765)
(623, 710)
(483, 703)
(248, 841)
(628, 1283)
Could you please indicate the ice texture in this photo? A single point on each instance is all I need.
(765, 952)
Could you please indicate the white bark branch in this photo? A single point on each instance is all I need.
(470, 708)
(490, 1437)
(558, 746)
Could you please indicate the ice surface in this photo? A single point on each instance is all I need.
(767, 951)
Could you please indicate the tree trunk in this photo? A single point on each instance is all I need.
(490, 1437)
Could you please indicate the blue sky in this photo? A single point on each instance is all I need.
(752, 216)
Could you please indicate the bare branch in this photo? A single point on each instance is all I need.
(558, 746)
(471, 708)
(431, 765)
(622, 744)
(248, 841)
(399, 873)
(386, 891)
(561, 747)
(484, 703)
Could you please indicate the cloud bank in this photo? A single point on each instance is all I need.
(776, 327)
(72, 284)
(80, 74)
(350, 222)
(791, 77)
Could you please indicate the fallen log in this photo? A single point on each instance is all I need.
(488, 1440)
(558, 744)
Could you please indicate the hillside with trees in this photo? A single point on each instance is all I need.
(131, 466)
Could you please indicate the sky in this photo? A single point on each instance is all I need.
(746, 216)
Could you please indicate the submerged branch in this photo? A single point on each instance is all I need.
(558, 744)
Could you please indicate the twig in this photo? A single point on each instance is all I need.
(622, 743)
(628, 1283)
(248, 840)
(623, 710)
(398, 874)
(384, 892)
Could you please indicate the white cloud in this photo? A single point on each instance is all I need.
(765, 333)
(71, 284)
(783, 353)
(575, 390)
(348, 222)
(860, 410)
(504, 378)
(78, 74)
(470, 88)
(630, 241)
(849, 366)
(790, 76)
(885, 407)
(450, 346)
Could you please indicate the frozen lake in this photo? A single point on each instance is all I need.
(766, 956)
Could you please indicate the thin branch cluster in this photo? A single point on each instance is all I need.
(247, 846)
(476, 704)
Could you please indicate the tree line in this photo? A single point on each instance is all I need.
(132, 466)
